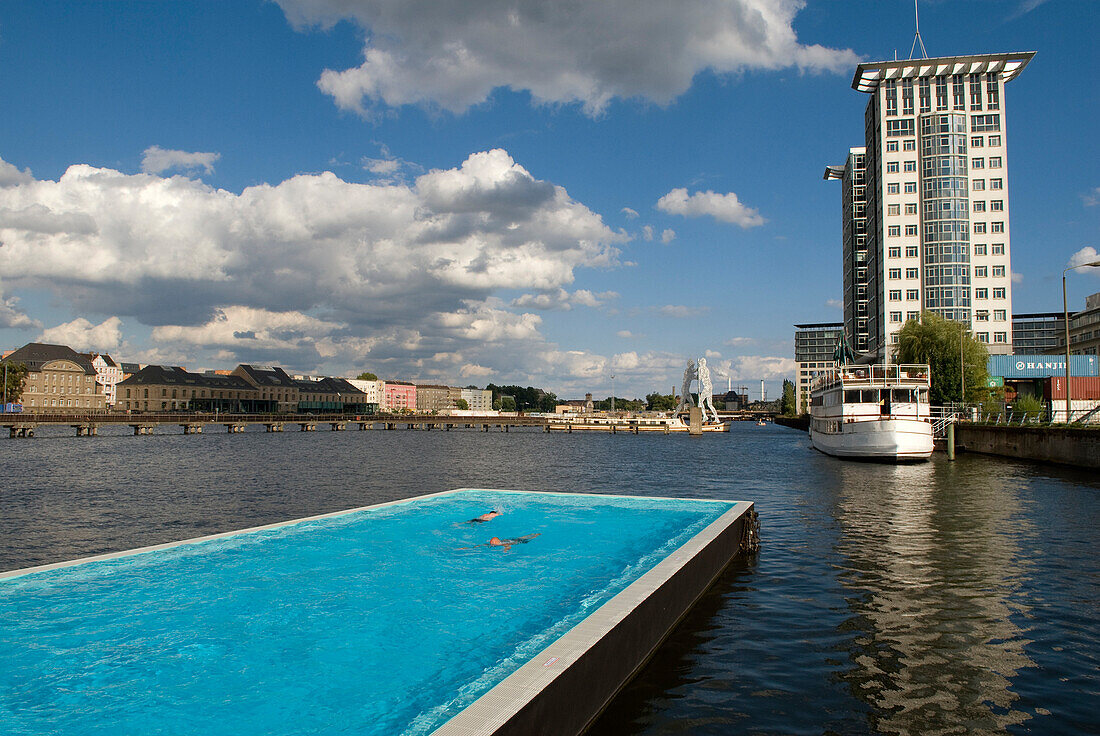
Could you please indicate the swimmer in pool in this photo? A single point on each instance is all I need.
(485, 517)
(506, 544)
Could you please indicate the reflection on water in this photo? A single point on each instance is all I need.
(932, 598)
(931, 552)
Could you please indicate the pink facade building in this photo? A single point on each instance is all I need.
(398, 396)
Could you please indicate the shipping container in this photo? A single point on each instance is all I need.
(1080, 388)
(1042, 366)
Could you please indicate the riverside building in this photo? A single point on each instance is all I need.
(926, 204)
(814, 345)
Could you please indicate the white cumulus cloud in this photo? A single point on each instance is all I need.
(80, 334)
(1091, 199)
(1088, 254)
(326, 269)
(629, 213)
(453, 55)
(157, 160)
(724, 207)
(668, 235)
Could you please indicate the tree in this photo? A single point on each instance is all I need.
(507, 403)
(366, 376)
(941, 344)
(660, 402)
(16, 378)
(462, 404)
(788, 404)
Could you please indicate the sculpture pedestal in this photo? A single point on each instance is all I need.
(695, 420)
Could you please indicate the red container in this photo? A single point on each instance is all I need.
(1083, 387)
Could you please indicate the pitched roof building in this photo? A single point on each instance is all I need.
(59, 379)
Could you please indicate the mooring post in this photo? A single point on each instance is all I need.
(951, 441)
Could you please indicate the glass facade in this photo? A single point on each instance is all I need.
(946, 215)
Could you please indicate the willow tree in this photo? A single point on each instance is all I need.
(946, 347)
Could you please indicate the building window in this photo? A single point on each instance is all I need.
(911, 251)
(900, 127)
(980, 272)
(982, 315)
(893, 231)
(998, 249)
(891, 145)
(999, 271)
(912, 315)
(910, 229)
(979, 249)
(910, 273)
(893, 209)
(891, 167)
(999, 293)
(1000, 337)
(894, 273)
(977, 206)
(997, 205)
(976, 142)
(977, 163)
(895, 316)
(982, 336)
(1000, 315)
(895, 295)
(894, 252)
(912, 294)
(979, 227)
(911, 209)
(957, 92)
(994, 140)
(996, 184)
(985, 123)
(910, 165)
(909, 145)
(893, 188)
(910, 187)
(981, 293)
(978, 185)
(992, 92)
(994, 162)
(997, 227)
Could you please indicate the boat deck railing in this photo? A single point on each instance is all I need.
(880, 374)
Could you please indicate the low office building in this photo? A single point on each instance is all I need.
(158, 388)
(108, 374)
(372, 390)
(1038, 333)
(332, 395)
(433, 398)
(814, 345)
(477, 399)
(273, 383)
(398, 396)
(1084, 329)
(59, 380)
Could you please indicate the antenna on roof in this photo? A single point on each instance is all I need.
(917, 39)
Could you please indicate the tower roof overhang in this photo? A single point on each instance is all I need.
(871, 74)
(833, 172)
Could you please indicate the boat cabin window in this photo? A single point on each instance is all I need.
(903, 395)
(923, 395)
(861, 396)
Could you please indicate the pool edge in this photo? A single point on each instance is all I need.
(565, 687)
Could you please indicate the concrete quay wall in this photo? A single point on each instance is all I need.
(1062, 445)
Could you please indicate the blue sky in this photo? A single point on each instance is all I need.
(515, 191)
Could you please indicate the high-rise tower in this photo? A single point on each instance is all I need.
(935, 215)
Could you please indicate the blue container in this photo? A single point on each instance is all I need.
(1042, 366)
(12, 408)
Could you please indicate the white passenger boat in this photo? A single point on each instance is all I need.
(872, 411)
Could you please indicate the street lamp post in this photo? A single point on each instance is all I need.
(1065, 316)
(613, 394)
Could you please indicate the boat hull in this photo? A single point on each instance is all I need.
(882, 439)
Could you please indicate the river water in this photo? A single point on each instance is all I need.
(939, 598)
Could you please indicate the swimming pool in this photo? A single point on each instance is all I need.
(389, 619)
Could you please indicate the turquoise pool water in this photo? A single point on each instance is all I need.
(371, 622)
